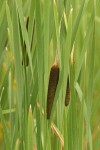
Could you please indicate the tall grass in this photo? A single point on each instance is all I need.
(69, 29)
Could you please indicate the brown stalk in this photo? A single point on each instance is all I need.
(67, 98)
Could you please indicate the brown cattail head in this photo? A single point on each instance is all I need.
(53, 81)
(67, 98)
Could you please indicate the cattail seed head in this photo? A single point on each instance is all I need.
(67, 98)
(53, 81)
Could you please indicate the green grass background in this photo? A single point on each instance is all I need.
(54, 26)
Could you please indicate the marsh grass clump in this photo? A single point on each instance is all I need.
(30, 33)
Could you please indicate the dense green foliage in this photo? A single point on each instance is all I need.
(31, 33)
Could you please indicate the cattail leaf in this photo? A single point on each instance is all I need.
(40, 70)
(77, 21)
(18, 64)
(17, 145)
(2, 12)
(85, 44)
(30, 134)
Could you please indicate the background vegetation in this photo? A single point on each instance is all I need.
(27, 53)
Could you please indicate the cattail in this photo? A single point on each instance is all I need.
(67, 98)
(53, 81)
